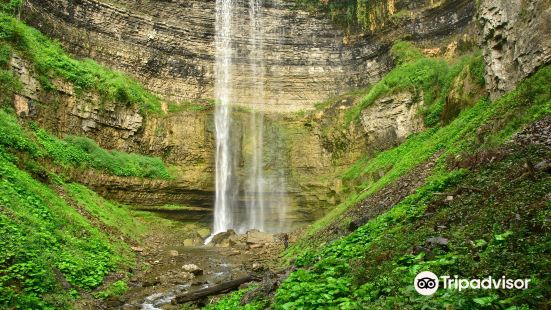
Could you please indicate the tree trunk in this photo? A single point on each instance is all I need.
(214, 290)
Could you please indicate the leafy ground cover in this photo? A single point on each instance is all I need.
(46, 241)
(60, 239)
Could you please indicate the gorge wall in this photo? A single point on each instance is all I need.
(515, 39)
(308, 59)
(168, 45)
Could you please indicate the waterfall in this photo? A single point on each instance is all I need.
(256, 209)
(256, 212)
(225, 199)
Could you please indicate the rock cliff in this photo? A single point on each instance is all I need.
(169, 48)
(516, 41)
(169, 45)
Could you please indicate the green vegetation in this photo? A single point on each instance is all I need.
(114, 162)
(431, 78)
(47, 239)
(55, 232)
(10, 7)
(374, 267)
(51, 62)
(190, 106)
(76, 152)
(529, 102)
(233, 301)
(381, 250)
(116, 288)
(352, 14)
(8, 83)
(60, 239)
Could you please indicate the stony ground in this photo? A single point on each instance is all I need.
(164, 262)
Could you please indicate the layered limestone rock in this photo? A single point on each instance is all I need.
(113, 125)
(390, 120)
(169, 46)
(184, 139)
(516, 41)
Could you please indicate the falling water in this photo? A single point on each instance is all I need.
(224, 200)
(258, 209)
(255, 189)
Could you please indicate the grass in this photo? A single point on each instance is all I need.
(76, 152)
(374, 266)
(60, 239)
(51, 61)
(427, 78)
(54, 231)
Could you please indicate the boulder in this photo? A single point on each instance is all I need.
(203, 232)
(193, 239)
(187, 275)
(193, 269)
(224, 239)
(257, 237)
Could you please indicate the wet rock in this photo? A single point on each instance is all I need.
(151, 282)
(114, 301)
(437, 241)
(203, 233)
(257, 237)
(224, 239)
(257, 267)
(192, 268)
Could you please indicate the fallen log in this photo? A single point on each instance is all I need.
(214, 290)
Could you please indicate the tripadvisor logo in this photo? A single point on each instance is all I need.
(427, 283)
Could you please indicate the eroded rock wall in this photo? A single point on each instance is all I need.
(169, 45)
(515, 39)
